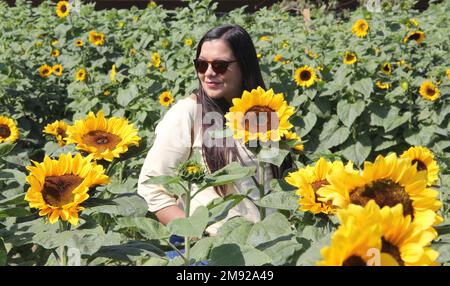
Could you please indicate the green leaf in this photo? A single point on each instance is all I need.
(87, 241)
(3, 253)
(228, 174)
(307, 123)
(6, 148)
(129, 252)
(279, 200)
(125, 96)
(14, 200)
(348, 112)
(393, 120)
(220, 207)
(125, 205)
(235, 230)
(14, 212)
(192, 226)
(364, 86)
(272, 155)
(332, 134)
(200, 251)
(358, 151)
(238, 255)
(149, 228)
(312, 255)
(139, 70)
(418, 138)
(274, 226)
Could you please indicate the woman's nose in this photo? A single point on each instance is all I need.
(210, 71)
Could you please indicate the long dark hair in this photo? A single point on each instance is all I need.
(243, 49)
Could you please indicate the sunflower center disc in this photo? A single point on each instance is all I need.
(63, 8)
(420, 165)
(58, 189)
(61, 132)
(385, 193)
(318, 184)
(430, 91)
(166, 99)
(354, 260)
(392, 250)
(259, 119)
(350, 58)
(4, 131)
(101, 140)
(414, 37)
(305, 75)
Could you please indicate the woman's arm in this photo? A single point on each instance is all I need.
(171, 147)
(169, 213)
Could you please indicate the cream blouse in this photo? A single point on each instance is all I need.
(180, 127)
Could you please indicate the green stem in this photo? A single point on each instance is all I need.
(63, 248)
(261, 185)
(187, 239)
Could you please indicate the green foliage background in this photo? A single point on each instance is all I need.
(345, 115)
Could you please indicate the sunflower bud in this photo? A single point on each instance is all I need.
(191, 171)
(404, 86)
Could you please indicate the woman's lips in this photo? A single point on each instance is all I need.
(212, 84)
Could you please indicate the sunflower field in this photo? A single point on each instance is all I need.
(366, 93)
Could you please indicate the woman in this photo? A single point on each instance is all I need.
(226, 65)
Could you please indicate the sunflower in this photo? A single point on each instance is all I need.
(414, 22)
(259, 55)
(429, 91)
(417, 36)
(62, 9)
(311, 54)
(8, 130)
(98, 39)
(401, 242)
(349, 58)
(383, 85)
(425, 162)
(308, 181)
(57, 70)
(57, 129)
(386, 68)
(406, 241)
(79, 42)
(80, 75)
(277, 58)
(156, 59)
(59, 187)
(305, 76)
(112, 75)
(360, 28)
(264, 38)
(259, 115)
(166, 98)
(45, 71)
(105, 139)
(55, 53)
(389, 181)
(291, 136)
(188, 42)
(355, 240)
(448, 73)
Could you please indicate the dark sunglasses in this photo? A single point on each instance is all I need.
(219, 66)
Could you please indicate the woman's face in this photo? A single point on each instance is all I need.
(227, 85)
